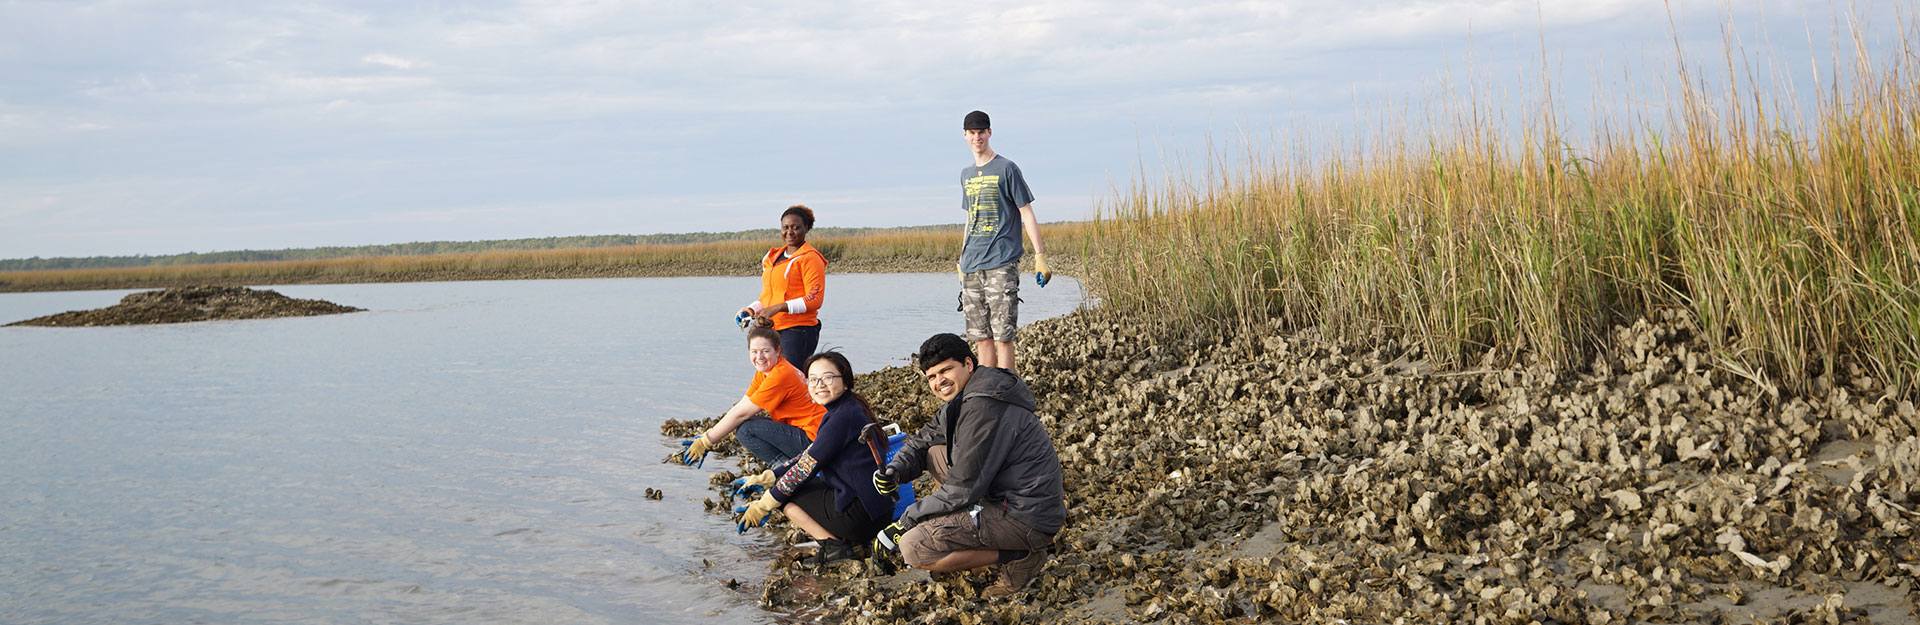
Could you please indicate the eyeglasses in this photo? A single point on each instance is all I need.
(821, 380)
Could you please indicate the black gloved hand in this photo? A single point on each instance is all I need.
(886, 483)
(889, 538)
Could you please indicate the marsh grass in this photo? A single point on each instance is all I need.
(904, 251)
(1795, 241)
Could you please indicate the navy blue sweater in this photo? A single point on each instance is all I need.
(838, 459)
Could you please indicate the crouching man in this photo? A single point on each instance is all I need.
(1000, 499)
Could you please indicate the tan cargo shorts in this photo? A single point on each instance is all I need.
(991, 300)
(990, 529)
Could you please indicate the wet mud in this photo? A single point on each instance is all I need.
(194, 303)
(1285, 477)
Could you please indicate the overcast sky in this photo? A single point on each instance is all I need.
(131, 127)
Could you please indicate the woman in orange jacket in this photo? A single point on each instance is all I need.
(793, 285)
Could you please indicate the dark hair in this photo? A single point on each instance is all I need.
(846, 374)
(806, 214)
(943, 347)
(762, 332)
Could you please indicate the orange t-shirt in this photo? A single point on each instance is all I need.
(783, 394)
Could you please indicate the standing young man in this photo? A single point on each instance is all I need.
(1001, 497)
(999, 206)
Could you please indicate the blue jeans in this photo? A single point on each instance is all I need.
(771, 441)
(797, 344)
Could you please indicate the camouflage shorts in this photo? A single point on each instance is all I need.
(991, 300)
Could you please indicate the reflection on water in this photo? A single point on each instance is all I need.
(470, 452)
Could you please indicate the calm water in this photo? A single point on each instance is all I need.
(470, 452)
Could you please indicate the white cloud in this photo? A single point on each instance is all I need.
(222, 108)
(387, 60)
(692, 57)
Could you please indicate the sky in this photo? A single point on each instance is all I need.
(131, 127)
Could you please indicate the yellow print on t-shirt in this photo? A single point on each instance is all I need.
(983, 205)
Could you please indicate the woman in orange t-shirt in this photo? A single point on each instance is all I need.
(777, 388)
(793, 285)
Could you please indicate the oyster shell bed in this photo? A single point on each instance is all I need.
(1286, 477)
(192, 303)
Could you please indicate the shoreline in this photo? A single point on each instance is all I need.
(676, 270)
(1063, 264)
(1287, 477)
(895, 250)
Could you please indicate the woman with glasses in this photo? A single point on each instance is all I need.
(792, 417)
(827, 491)
(793, 285)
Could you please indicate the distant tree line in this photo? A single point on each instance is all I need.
(428, 248)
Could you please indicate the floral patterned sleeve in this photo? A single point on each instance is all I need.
(803, 467)
(839, 433)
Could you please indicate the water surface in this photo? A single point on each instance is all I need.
(462, 452)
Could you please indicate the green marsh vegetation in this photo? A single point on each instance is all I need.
(1785, 219)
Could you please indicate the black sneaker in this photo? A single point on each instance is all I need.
(831, 550)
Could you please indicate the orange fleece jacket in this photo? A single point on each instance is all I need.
(797, 285)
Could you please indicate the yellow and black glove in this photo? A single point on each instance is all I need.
(889, 538)
(885, 482)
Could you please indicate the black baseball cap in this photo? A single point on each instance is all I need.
(977, 120)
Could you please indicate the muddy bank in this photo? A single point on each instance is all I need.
(1288, 478)
(1062, 264)
(429, 273)
(194, 303)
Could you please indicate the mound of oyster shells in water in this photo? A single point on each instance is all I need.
(1282, 477)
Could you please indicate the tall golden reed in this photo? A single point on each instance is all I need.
(1796, 242)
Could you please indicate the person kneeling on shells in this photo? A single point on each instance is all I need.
(1000, 498)
(826, 490)
(791, 420)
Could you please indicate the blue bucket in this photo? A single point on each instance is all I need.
(906, 489)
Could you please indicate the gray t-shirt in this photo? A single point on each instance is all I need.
(992, 195)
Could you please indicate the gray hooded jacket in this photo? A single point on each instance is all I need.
(999, 454)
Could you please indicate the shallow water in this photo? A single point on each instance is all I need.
(462, 452)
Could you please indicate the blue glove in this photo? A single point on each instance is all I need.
(750, 485)
(693, 451)
(756, 514)
(744, 319)
(739, 488)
